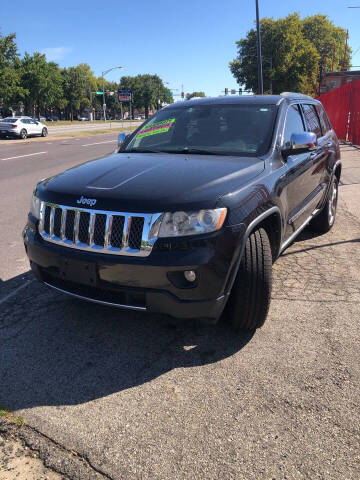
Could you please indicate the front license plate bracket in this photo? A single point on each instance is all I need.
(79, 272)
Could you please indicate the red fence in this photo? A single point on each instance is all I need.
(343, 107)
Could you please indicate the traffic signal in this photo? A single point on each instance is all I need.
(182, 95)
(240, 91)
(226, 91)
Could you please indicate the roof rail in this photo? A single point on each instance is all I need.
(295, 94)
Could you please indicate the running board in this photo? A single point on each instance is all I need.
(296, 233)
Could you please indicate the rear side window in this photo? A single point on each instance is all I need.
(324, 121)
(293, 123)
(312, 119)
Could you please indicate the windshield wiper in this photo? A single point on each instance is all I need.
(141, 150)
(199, 151)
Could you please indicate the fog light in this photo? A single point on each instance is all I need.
(190, 275)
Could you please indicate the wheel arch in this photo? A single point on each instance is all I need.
(267, 220)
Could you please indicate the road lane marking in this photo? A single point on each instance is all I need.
(98, 143)
(21, 156)
(14, 292)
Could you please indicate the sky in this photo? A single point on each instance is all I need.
(187, 43)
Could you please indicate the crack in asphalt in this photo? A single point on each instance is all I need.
(21, 433)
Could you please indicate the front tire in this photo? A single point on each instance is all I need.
(249, 301)
(44, 132)
(324, 221)
(23, 134)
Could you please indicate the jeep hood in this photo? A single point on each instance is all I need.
(144, 182)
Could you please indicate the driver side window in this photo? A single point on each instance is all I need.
(293, 123)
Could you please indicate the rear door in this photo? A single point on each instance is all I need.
(320, 157)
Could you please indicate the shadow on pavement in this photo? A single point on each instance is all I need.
(60, 351)
(354, 240)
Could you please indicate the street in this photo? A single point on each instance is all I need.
(143, 396)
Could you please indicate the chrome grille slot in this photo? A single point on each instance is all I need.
(99, 229)
(137, 225)
(57, 222)
(117, 228)
(83, 235)
(69, 225)
(119, 233)
(47, 219)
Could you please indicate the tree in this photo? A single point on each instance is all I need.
(42, 81)
(291, 52)
(78, 82)
(147, 91)
(328, 40)
(11, 91)
(195, 94)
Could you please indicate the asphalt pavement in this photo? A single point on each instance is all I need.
(140, 396)
(55, 129)
(22, 165)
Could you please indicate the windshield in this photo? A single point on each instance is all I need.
(9, 120)
(207, 129)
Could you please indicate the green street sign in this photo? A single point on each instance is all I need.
(99, 93)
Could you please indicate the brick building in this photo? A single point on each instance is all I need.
(333, 80)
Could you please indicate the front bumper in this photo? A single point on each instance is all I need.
(154, 284)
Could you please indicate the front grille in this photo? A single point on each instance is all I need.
(97, 230)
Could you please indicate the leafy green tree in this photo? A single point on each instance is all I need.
(291, 50)
(11, 91)
(328, 40)
(195, 94)
(78, 83)
(147, 90)
(42, 81)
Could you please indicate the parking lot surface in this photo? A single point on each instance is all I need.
(146, 397)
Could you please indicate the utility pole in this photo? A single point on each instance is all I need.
(103, 88)
(259, 59)
(345, 52)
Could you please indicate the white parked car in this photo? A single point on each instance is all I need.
(21, 127)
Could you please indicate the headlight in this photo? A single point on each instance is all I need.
(179, 224)
(35, 206)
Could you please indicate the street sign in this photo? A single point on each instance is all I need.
(233, 91)
(125, 94)
(99, 93)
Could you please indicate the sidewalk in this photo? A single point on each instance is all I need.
(350, 179)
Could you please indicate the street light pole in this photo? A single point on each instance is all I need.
(103, 88)
(259, 59)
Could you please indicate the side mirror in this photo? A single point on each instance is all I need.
(122, 137)
(300, 143)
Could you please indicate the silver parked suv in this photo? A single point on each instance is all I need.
(21, 127)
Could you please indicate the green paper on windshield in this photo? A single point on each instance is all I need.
(157, 127)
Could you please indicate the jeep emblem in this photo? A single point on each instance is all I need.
(86, 201)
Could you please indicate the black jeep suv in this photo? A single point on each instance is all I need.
(188, 216)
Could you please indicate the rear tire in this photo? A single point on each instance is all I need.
(23, 134)
(249, 301)
(44, 132)
(324, 221)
